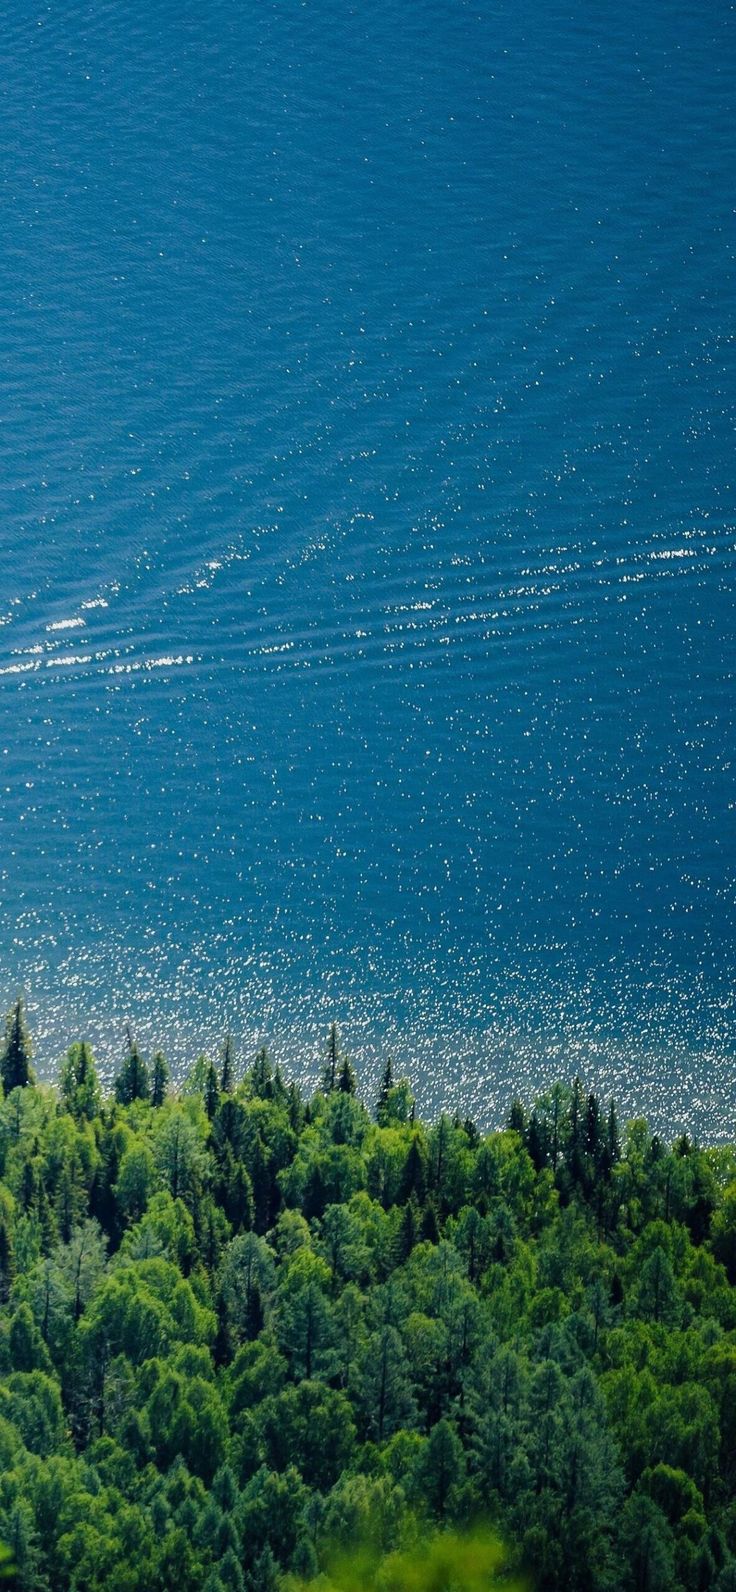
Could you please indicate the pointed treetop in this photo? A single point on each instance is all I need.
(211, 1091)
(329, 1073)
(160, 1085)
(227, 1076)
(261, 1075)
(132, 1082)
(612, 1134)
(516, 1117)
(79, 1084)
(15, 1063)
(387, 1083)
(346, 1079)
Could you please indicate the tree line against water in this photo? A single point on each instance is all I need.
(250, 1340)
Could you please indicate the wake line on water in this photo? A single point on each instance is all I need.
(82, 659)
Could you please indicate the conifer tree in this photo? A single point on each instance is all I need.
(409, 1232)
(648, 1546)
(442, 1467)
(160, 1084)
(306, 1329)
(248, 1269)
(386, 1386)
(613, 1144)
(346, 1079)
(7, 1260)
(79, 1085)
(593, 1127)
(430, 1224)
(264, 1576)
(387, 1083)
(279, 1091)
(295, 1108)
(556, 1118)
(230, 1573)
(259, 1166)
(15, 1063)
(132, 1082)
(22, 1542)
(70, 1199)
(26, 1347)
(225, 1489)
(535, 1144)
(414, 1175)
(235, 1191)
(576, 1116)
(329, 1072)
(211, 1091)
(29, 1186)
(227, 1076)
(517, 1117)
(261, 1076)
(254, 1314)
(657, 1294)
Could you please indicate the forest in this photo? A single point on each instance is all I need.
(252, 1341)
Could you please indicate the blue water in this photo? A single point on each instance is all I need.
(367, 538)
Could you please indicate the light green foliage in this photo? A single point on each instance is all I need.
(433, 1562)
(250, 1343)
(166, 1228)
(137, 1177)
(143, 1307)
(247, 1282)
(179, 1152)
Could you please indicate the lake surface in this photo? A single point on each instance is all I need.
(367, 539)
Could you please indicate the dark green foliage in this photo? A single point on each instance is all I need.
(227, 1076)
(132, 1082)
(160, 1079)
(236, 1328)
(211, 1091)
(15, 1062)
(346, 1079)
(414, 1173)
(442, 1469)
(330, 1069)
(7, 1260)
(388, 1401)
(79, 1085)
(260, 1080)
(517, 1117)
(387, 1083)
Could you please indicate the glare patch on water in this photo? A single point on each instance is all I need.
(367, 543)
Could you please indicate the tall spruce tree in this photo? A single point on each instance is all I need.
(517, 1117)
(211, 1091)
(79, 1085)
(329, 1071)
(613, 1141)
(7, 1259)
(132, 1082)
(160, 1083)
(387, 1083)
(386, 1392)
(15, 1064)
(261, 1075)
(227, 1076)
(346, 1079)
